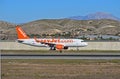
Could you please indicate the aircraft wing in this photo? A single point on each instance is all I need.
(52, 45)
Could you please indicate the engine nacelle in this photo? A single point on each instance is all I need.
(60, 47)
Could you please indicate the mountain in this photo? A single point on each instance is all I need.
(6, 30)
(96, 16)
(63, 27)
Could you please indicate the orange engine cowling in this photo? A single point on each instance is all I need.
(60, 46)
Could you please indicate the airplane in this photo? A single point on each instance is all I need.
(54, 44)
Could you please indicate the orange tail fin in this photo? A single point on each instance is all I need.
(21, 34)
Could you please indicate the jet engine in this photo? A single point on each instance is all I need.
(60, 47)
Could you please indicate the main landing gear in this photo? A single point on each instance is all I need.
(60, 51)
(52, 48)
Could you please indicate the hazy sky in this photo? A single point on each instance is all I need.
(22, 11)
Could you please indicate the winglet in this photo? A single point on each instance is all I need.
(21, 34)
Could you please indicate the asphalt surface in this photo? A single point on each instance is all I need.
(63, 56)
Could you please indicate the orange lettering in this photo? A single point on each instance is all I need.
(48, 40)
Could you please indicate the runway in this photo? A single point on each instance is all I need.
(63, 56)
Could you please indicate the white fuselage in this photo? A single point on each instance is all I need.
(65, 42)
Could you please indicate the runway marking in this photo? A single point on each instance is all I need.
(60, 56)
